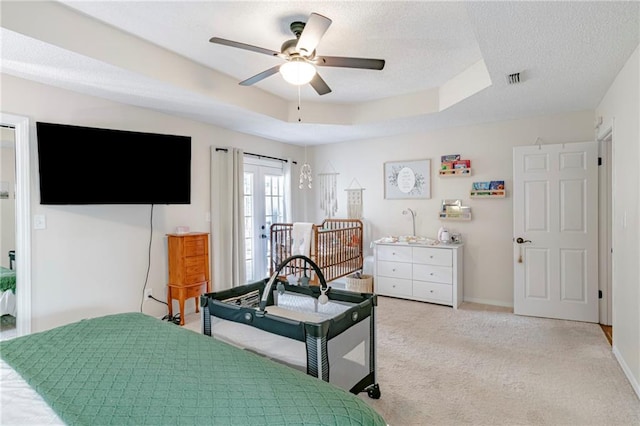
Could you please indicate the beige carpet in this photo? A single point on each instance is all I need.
(482, 365)
(485, 366)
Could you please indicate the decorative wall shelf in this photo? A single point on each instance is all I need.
(453, 165)
(490, 189)
(454, 210)
(455, 216)
(455, 172)
(498, 193)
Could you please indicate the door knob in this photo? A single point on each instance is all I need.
(263, 236)
(521, 240)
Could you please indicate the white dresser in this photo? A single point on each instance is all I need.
(425, 273)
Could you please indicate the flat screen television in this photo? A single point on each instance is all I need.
(86, 165)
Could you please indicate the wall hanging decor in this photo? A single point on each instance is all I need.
(305, 172)
(328, 196)
(407, 179)
(354, 200)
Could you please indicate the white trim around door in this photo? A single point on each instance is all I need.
(23, 215)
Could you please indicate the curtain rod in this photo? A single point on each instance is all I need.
(284, 160)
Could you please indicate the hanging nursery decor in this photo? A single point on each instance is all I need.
(328, 198)
(354, 200)
(305, 171)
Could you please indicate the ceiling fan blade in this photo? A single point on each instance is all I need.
(230, 43)
(338, 61)
(319, 85)
(313, 31)
(256, 78)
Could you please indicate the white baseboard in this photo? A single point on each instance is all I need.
(489, 302)
(627, 371)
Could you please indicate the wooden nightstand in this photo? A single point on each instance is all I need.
(188, 268)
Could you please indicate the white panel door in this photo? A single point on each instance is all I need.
(555, 231)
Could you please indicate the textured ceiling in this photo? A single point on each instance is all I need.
(568, 53)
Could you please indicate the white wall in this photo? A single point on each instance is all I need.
(488, 253)
(92, 260)
(8, 205)
(620, 108)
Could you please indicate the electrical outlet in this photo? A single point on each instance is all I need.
(147, 293)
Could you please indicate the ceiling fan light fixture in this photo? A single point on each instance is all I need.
(297, 71)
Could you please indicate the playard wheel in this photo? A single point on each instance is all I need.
(374, 391)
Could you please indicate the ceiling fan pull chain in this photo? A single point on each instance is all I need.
(299, 118)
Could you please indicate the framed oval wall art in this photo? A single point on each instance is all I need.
(407, 179)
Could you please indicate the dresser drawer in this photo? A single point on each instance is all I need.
(394, 253)
(393, 287)
(195, 246)
(432, 256)
(433, 292)
(195, 269)
(394, 269)
(438, 274)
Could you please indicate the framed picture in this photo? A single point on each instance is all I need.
(407, 179)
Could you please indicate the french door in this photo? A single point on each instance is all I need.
(555, 211)
(263, 205)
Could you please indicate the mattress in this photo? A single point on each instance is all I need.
(133, 369)
(282, 349)
(7, 279)
(21, 405)
(7, 303)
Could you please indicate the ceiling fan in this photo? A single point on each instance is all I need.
(300, 56)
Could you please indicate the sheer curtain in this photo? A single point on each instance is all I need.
(227, 218)
(288, 201)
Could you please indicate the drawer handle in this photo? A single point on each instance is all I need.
(394, 286)
(430, 291)
(430, 257)
(393, 270)
(431, 273)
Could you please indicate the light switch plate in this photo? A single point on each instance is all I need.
(39, 221)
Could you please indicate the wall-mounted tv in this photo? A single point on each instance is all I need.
(86, 165)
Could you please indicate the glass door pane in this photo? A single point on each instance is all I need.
(264, 205)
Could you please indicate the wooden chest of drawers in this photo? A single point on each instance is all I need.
(188, 268)
(424, 273)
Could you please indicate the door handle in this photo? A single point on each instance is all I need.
(521, 240)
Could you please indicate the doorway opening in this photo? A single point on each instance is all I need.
(264, 205)
(22, 261)
(7, 234)
(606, 207)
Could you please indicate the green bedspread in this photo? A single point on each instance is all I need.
(7, 279)
(133, 369)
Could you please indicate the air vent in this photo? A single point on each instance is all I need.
(513, 78)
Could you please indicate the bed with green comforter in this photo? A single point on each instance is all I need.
(7, 279)
(133, 369)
